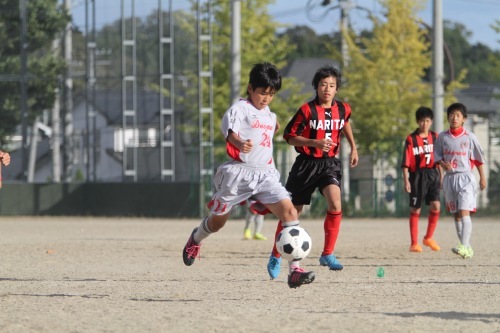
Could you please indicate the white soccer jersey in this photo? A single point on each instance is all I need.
(462, 151)
(250, 123)
(459, 184)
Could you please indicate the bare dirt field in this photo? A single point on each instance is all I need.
(79, 274)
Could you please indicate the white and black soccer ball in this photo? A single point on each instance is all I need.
(293, 243)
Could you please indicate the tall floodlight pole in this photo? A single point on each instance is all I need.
(437, 65)
(235, 50)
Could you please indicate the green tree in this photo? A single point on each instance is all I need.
(307, 43)
(495, 58)
(478, 59)
(385, 79)
(46, 19)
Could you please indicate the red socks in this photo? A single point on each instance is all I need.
(332, 229)
(414, 227)
(278, 230)
(432, 223)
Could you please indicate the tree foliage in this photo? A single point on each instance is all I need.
(385, 78)
(45, 21)
(478, 59)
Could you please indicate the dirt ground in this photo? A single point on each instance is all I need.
(70, 274)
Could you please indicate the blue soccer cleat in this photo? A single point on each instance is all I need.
(274, 267)
(331, 261)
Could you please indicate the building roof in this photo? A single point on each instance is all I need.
(482, 99)
(303, 70)
(109, 104)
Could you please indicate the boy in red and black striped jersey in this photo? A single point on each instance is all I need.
(315, 131)
(422, 178)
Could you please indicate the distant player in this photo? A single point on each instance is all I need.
(248, 127)
(422, 178)
(252, 217)
(315, 132)
(458, 151)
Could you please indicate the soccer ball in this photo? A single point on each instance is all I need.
(293, 243)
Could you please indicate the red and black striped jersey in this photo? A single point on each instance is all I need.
(313, 121)
(419, 151)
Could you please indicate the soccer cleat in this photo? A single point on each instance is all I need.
(331, 261)
(274, 267)
(465, 252)
(432, 244)
(457, 248)
(299, 277)
(247, 234)
(259, 236)
(415, 248)
(191, 250)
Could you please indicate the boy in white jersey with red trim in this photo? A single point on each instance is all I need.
(458, 151)
(248, 127)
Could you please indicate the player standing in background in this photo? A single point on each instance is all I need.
(424, 180)
(258, 220)
(248, 127)
(457, 151)
(315, 131)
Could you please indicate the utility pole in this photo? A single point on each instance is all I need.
(235, 50)
(56, 138)
(437, 65)
(345, 5)
(24, 89)
(68, 101)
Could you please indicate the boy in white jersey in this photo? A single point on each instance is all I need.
(458, 151)
(248, 127)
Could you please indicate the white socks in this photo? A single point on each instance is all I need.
(458, 226)
(202, 232)
(466, 230)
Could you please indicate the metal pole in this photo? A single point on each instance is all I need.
(437, 65)
(344, 155)
(56, 138)
(87, 83)
(24, 89)
(68, 101)
(235, 50)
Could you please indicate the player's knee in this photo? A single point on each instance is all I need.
(335, 206)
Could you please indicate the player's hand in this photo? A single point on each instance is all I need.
(246, 146)
(354, 158)
(407, 186)
(482, 183)
(4, 158)
(325, 144)
(447, 166)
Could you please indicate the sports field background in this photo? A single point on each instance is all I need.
(76, 274)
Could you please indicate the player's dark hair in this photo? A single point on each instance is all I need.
(265, 75)
(325, 72)
(457, 107)
(424, 112)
